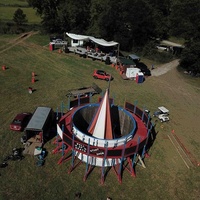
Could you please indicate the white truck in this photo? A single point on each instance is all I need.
(162, 114)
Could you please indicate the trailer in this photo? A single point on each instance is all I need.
(84, 91)
(38, 129)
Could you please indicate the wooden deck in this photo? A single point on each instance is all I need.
(92, 54)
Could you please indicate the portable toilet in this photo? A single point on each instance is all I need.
(139, 77)
(51, 46)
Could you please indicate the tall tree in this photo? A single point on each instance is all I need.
(184, 19)
(127, 21)
(48, 10)
(19, 17)
(160, 14)
(190, 58)
(74, 15)
(63, 15)
(138, 21)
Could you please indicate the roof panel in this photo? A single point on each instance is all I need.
(38, 119)
(163, 109)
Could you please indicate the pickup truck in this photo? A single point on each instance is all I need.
(84, 91)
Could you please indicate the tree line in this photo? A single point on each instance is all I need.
(135, 24)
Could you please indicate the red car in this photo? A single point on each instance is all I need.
(100, 74)
(20, 121)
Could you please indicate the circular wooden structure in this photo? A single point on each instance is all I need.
(131, 129)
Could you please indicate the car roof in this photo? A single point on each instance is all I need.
(21, 116)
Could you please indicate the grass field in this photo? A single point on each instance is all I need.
(166, 176)
(13, 2)
(7, 14)
(8, 8)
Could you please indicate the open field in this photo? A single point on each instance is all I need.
(8, 8)
(7, 14)
(13, 2)
(166, 175)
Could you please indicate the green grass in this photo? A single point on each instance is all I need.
(13, 2)
(7, 13)
(166, 176)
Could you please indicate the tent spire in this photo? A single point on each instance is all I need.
(101, 126)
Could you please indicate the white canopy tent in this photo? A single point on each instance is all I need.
(78, 41)
(95, 40)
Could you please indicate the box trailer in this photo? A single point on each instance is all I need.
(132, 72)
(40, 124)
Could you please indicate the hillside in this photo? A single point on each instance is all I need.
(166, 176)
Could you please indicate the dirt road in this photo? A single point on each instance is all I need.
(165, 68)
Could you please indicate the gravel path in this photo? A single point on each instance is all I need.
(165, 68)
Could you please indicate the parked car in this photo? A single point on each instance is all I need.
(58, 40)
(146, 72)
(162, 47)
(20, 121)
(100, 74)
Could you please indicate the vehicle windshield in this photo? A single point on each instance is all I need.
(17, 121)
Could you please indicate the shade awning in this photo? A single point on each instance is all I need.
(77, 37)
(101, 42)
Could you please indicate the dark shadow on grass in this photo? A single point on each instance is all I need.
(152, 138)
(106, 172)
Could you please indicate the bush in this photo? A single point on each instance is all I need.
(10, 28)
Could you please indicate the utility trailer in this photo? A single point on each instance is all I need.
(84, 91)
(38, 129)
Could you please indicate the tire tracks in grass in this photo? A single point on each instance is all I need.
(53, 63)
(18, 40)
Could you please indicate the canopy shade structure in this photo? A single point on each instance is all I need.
(77, 37)
(126, 61)
(101, 42)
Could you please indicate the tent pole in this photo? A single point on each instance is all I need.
(118, 53)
